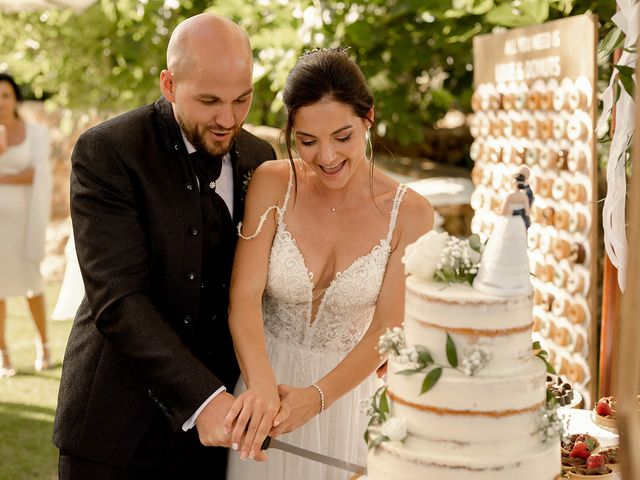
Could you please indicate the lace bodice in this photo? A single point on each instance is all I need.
(347, 306)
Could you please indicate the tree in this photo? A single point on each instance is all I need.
(416, 54)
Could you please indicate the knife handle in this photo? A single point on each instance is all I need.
(266, 443)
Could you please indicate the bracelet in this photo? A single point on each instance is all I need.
(321, 396)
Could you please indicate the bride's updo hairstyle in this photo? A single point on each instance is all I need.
(325, 73)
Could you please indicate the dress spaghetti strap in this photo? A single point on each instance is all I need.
(280, 210)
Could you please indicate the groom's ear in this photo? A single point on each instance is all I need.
(167, 85)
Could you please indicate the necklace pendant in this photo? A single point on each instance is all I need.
(333, 209)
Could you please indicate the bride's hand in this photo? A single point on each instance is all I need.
(297, 407)
(251, 416)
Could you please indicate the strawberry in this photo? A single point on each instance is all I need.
(595, 461)
(580, 450)
(604, 409)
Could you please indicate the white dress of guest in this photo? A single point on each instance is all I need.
(24, 213)
(72, 289)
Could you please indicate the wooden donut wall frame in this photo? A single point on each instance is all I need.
(546, 124)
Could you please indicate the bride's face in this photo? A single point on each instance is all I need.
(330, 138)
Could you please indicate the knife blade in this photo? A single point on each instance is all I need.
(316, 457)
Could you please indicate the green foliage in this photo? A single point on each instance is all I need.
(452, 353)
(416, 55)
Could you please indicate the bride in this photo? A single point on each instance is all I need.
(317, 278)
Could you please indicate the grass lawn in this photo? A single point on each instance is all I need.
(28, 400)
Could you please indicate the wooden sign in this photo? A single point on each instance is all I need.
(534, 105)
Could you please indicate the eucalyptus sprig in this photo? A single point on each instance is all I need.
(469, 365)
(378, 411)
(542, 354)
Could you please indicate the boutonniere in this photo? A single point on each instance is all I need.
(245, 182)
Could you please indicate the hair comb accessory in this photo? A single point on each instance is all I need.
(342, 50)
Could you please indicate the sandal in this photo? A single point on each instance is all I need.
(42, 361)
(6, 370)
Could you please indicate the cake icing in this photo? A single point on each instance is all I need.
(480, 416)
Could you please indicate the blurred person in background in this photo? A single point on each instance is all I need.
(25, 205)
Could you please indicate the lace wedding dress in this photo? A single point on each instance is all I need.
(303, 348)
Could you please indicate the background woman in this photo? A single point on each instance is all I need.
(317, 277)
(25, 202)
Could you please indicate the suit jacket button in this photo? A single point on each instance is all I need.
(188, 187)
(194, 231)
(191, 276)
(187, 319)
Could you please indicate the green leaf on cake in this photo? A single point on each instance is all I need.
(475, 243)
(452, 354)
(431, 379)
(424, 357)
(378, 441)
(384, 403)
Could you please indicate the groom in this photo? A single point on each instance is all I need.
(156, 194)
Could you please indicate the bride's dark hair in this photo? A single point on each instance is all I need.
(325, 73)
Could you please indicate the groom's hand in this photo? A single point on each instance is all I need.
(210, 423)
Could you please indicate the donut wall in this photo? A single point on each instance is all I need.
(533, 105)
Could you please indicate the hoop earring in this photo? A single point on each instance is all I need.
(368, 146)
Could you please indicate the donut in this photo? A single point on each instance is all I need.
(533, 237)
(561, 159)
(519, 100)
(508, 101)
(546, 100)
(537, 297)
(577, 253)
(559, 306)
(537, 323)
(476, 101)
(576, 100)
(517, 155)
(486, 177)
(575, 282)
(577, 130)
(577, 193)
(575, 313)
(533, 100)
(476, 174)
(561, 249)
(579, 343)
(558, 99)
(496, 126)
(531, 156)
(521, 128)
(564, 366)
(559, 128)
(545, 128)
(577, 221)
(536, 214)
(545, 243)
(475, 151)
(495, 101)
(561, 336)
(544, 187)
(548, 215)
(560, 276)
(483, 126)
(545, 328)
(559, 190)
(577, 160)
(533, 130)
(575, 373)
(495, 154)
(547, 158)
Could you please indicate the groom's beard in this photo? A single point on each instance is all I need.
(197, 136)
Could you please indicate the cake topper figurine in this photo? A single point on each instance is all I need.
(504, 267)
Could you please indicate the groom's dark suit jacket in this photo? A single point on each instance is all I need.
(139, 358)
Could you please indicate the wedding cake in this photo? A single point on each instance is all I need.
(465, 397)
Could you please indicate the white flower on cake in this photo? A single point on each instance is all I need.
(422, 257)
(474, 361)
(391, 341)
(549, 424)
(395, 428)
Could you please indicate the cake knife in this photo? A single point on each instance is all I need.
(316, 457)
